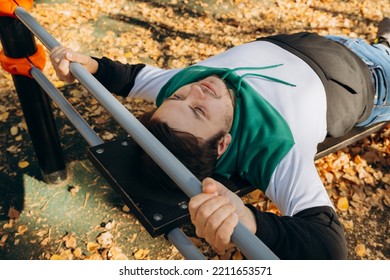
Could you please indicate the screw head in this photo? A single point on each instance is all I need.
(125, 143)
(183, 205)
(157, 217)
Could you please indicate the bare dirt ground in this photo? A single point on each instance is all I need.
(83, 218)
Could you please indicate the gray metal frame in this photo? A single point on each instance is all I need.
(251, 246)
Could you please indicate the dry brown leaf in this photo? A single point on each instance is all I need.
(74, 189)
(95, 256)
(14, 130)
(8, 225)
(117, 254)
(92, 247)
(348, 225)
(254, 196)
(78, 252)
(70, 240)
(105, 239)
(107, 136)
(237, 256)
(21, 230)
(206, 35)
(352, 179)
(67, 255)
(45, 241)
(133, 238)
(386, 197)
(386, 179)
(13, 149)
(4, 116)
(141, 254)
(22, 126)
(371, 157)
(109, 225)
(3, 239)
(271, 207)
(125, 209)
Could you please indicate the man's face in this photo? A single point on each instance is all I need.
(203, 109)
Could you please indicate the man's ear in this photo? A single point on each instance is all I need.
(223, 144)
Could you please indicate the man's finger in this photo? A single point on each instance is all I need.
(201, 213)
(216, 220)
(77, 57)
(224, 233)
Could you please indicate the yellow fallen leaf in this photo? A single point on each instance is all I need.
(141, 254)
(360, 250)
(45, 241)
(14, 130)
(117, 254)
(92, 247)
(67, 255)
(21, 230)
(237, 256)
(77, 252)
(108, 136)
(348, 225)
(58, 84)
(342, 204)
(70, 240)
(7, 225)
(4, 116)
(56, 257)
(128, 54)
(23, 164)
(125, 209)
(76, 93)
(3, 239)
(386, 179)
(95, 256)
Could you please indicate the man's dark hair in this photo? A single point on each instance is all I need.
(197, 155)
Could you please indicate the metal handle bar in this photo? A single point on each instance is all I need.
(251, 246)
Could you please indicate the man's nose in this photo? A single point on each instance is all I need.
(197, 92)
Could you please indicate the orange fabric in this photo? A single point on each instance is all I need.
(7, 7)
(22, 66)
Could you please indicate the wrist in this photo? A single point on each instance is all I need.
(249, 220)
(93, 66)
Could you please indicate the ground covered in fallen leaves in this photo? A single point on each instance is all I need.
(93, 222)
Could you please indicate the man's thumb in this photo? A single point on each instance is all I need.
(211, 186)
(76, 57)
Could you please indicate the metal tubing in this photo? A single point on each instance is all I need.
(176, 236)
(74, 117)
(45, 37)
(184, 245)
(247, 243)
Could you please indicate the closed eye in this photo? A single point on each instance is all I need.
(198, 112)
(174, 97)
